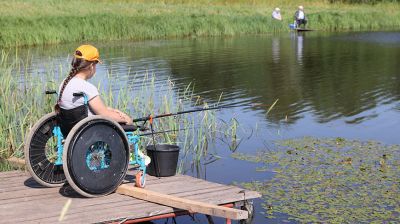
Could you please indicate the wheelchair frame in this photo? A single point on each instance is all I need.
(39, 164)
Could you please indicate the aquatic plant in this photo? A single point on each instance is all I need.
(330, 181)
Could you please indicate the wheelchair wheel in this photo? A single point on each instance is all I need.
(41, 153)
(96, 156)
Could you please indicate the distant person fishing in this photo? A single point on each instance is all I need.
(300, 17)
(276, 14)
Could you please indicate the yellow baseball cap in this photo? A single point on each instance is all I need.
(89, 53)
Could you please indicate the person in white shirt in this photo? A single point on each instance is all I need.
(276, 14)
(83, 68)
(300, 17)
(84, 64)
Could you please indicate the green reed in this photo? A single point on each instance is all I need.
(191, 131)
(23, 102)
(50, 22)
(5, 166)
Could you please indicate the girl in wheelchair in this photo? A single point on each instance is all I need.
(72, 107)
(83, 64)
(71, 144)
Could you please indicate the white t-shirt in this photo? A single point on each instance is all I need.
(276, 15)
(77, 85)
(301, 15)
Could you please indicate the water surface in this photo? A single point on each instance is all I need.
(327, 85)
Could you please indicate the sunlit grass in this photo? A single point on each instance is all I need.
(51, 22)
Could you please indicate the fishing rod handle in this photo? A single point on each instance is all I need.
(151, 117)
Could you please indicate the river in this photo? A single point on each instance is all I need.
(326, 85)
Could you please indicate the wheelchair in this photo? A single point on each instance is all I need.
(91, 153)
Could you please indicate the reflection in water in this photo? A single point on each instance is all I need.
(329, 78)
(300, 48)
(276, 48)
(384, 38)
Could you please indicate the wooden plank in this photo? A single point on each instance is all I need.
(53, 210)
(182, 203)
(20, 182)
(29, 203)
(110, 210)
(14, 181)
(10, 174)
(146, 209)
(191, 185)
(127, 209)
(28, 192)
(50, 198)
(109, 213)
(45, 193)
(20, 185)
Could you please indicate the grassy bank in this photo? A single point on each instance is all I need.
(51, 21)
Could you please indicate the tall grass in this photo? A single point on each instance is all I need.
(50, 22)
(194, 132)
(20, 104)
(23, 102)
(5, 166)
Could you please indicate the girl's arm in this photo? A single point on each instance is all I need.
(99, 108)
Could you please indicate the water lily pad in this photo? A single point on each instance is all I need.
(330, 180)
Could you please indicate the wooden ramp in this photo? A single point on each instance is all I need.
(23, 200)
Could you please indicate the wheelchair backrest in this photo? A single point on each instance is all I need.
(67, 119)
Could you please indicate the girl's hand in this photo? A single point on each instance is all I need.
(128, 119)
(125, 117)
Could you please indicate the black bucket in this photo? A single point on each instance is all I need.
(164, 160)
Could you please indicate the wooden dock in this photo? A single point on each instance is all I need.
(23, 200)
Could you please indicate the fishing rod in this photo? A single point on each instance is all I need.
(151, 117)
(161, 132)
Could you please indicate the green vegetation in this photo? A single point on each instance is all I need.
(24, 102)
(331, 181)
(5, 166)
(51, 21)
(361, 1)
